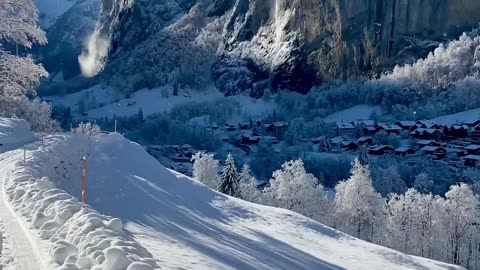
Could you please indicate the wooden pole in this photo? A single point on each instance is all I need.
(24, 155)
(115, 126)
(84, 181)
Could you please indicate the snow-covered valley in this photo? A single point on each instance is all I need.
(170, 221)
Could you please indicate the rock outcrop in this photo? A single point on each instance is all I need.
(293, 44)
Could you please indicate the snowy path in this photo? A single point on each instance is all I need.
(24, 252)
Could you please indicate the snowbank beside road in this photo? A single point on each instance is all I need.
(79, 238)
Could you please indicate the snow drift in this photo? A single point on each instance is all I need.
(180, 222)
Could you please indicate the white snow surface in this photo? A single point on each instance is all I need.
(458, 118)
(358, 112)
(179, 222)
(101, 102)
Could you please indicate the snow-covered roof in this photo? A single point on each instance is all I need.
(388, 126)
(364, 138)
(425, 142)
(368, 123)
(403, 149)
(337, 139)
(474, 157)
(380, 147)
(431, 148)
(345, 125)
(407, 123)
(473, 147)
(427, 130)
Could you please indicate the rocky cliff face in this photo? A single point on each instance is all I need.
(292, 44)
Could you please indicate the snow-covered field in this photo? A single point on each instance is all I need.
(458, 118)
(100, 102)
(359, 112)
(169, 219)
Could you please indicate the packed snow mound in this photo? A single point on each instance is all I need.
(182, 223)
(14, 133)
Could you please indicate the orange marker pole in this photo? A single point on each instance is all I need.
(84, 181)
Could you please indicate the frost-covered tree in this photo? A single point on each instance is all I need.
(20, 75)
(411, 221)
(247, 185)
(459, 218)
(423, 183)
(205, 169)
(294, 189)
(388, 180)
(359, 209)
(87, 129)
(443, 67)
(229, 179)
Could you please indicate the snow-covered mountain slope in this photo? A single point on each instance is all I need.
(51, 10)
(180, 222)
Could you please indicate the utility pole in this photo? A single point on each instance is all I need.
(84, 181)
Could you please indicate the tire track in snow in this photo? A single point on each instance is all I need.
(23, 249)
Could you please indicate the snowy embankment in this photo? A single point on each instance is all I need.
(182, 223)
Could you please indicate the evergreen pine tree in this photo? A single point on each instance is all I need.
(229, 182)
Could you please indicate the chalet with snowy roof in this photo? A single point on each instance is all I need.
(423, 143)
(369, 131)
(230, 127)
(472, 122)
(181, 158)
(278, 128)
(365, 140)
(455, 131)
(453, 152)
(473, 149)
(476, 132)
(336, 141)
(389, 128)
(250, 138)
(214, 126)
(404, 151)
(318, 140)
(364, 123)
(435, 151)
(345, 129)
(428, 124)
(244, 125)
(406, 125)
(427, 134)
(187, 147)
(349, 145)
(380, 150)
(471, 160)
